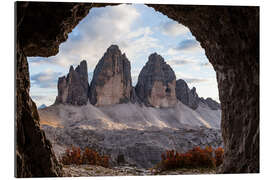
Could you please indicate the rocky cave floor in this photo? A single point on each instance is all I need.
(92, 170)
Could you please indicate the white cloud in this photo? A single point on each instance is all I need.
(189, 45)
(46, 79)
(180, 61)
(173, 28)
(101, 28)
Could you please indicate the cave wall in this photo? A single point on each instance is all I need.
(229, 35)
(40, 29)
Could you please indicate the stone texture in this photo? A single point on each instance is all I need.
(91, 170)
(211, 103)
(34, 156)
(230, 37)
(111, 83)
(73, 88)
(191, 98)
(140, 148)
(156, 83)
(133, 97)
(185, 95)
(40, 28)
(46, 25)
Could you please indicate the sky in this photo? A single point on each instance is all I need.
(139, 31)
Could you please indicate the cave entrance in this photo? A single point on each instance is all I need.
(169, 53)
(239, 106)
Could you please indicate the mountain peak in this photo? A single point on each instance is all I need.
(111, 83)
(73, 88)
(156, 83)
(155, 57)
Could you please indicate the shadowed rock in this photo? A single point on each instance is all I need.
(73, 89)
(111, 83)
(211, 103)
(230, 37)
(156, 83)
(185, 95)
(191, 98)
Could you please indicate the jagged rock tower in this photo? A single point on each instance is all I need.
(191, 98)
(111, 83)
(73, 89)
(185, 95)
(156, 83)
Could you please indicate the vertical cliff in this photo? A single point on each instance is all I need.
(156, 83)
(111, 82)
(73, 88)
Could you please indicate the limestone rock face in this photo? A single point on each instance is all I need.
(111, 83)
(156, 83)
(73, 89)
(211, 103)
(185, 95)
(191, 98)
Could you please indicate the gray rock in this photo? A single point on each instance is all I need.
(156, 83)
(185, 95)
(211, 103)
(191, 98)
(133, 97)
(111, 83)
(141, 148)
(73, 88)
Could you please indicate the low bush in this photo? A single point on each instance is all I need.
(89, 156)
(194, 158)
(219, 153)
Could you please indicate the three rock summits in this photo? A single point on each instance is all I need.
(112, 84)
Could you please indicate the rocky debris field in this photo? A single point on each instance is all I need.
(91, 170)
(142, 148)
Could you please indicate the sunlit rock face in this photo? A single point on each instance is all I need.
(73, 88)
(111, 83)
(156, 83)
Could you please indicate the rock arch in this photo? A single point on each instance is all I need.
(229, 35)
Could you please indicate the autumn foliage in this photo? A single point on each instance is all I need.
(88, 156)
(194, 158)
(219, 152)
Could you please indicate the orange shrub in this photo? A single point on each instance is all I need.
(194, 158)
(219, 153)
(72, 156)
(89, 156)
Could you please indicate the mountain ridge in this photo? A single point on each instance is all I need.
(112, 84)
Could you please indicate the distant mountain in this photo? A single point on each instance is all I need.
(42, 106)
(112, 84)
(156, 83)
(73, 88)
(191, 98)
